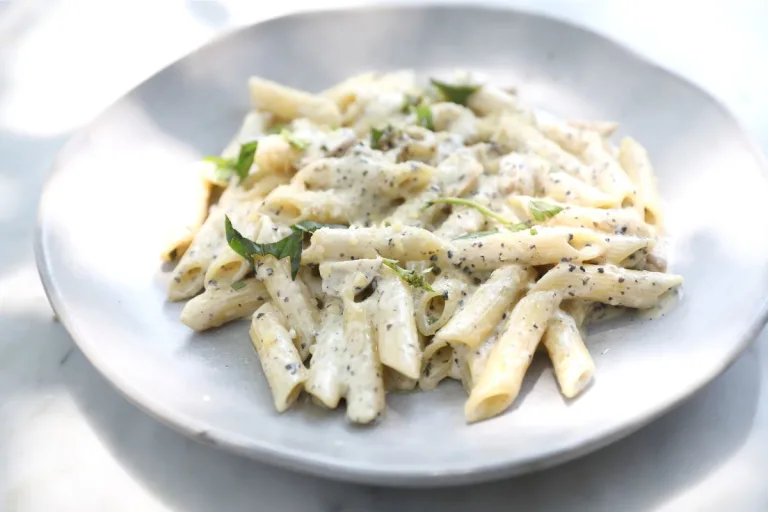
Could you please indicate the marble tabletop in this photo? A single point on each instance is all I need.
(70, 442)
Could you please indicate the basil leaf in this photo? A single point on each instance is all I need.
(376, 136)
(276, 129)
(310, 226)
(542, 211)
(245, 159)
(512, 226)
(408, 102)
(411, 277)
(424, 116)
(219, 161)
(226, 167)
(455, 93)
(382, 138)
(294, 141)
(238, 243)
(478, 234)
(288, 247)
(238, 285)
(472, 204)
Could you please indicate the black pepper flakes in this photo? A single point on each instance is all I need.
(601, 270)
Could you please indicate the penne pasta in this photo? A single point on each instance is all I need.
(609, 284)
(219, 305)
(499, 383)
(484, 309)
(397, 337)
(634, 159)
(279, 358)
(545, 245)
(570, 358)
(391, 234)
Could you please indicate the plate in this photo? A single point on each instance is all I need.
(116, 188)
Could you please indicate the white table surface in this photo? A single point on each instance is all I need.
(70, 442)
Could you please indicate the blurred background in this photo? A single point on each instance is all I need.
(69, 442)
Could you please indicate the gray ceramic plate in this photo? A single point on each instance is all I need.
(112, 197)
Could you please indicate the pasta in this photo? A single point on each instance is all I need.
(384, 236)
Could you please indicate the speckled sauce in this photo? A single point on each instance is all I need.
(425, 231)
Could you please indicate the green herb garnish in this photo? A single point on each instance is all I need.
(411, 277)
(238, 285)
(276, 130)
(424, 116)
(226, 167)
(410, 101)
(542, 210)
(310, 226)
(382, 138)
(478, 234)
(288, 247)
(293, 140)
(534, 231)
(455, 93)
(512, 226)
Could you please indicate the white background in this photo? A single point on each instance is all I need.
(69, 442)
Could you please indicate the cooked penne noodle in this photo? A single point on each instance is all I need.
(604, 128)
(499, 384)
(397, 337)
(218, 305)
(620, 248)
(545, 245)
(189, 275)
(620, 221)
(291, 297)
(435, 308)
(288, 103)
(396, 242)
(436, 368)
(472, 361)
(291, 204)
(609, 284)
(520, 136)
(607, 173)
(280, 361)
(634, 159)
(365, 384)
(227, 266)
(396, 381)
(325, 380)
(484, 309)
(570, 358)
(563, 187)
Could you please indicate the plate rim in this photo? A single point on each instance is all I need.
(367, 472)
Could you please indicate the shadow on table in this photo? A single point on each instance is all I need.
(637, 473)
